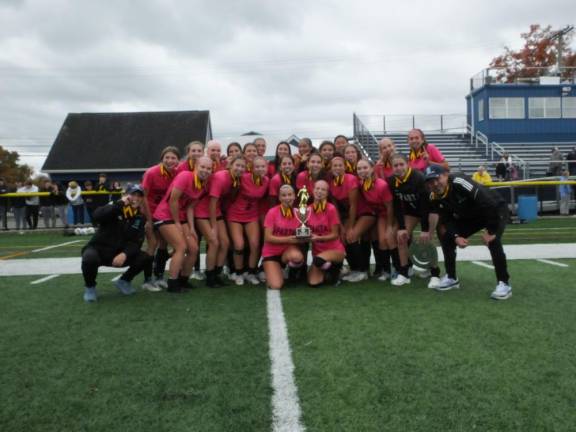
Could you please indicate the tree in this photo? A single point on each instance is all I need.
(540, 50)
(10, 169)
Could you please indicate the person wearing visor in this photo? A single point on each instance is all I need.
(461, 207)
(117, 242)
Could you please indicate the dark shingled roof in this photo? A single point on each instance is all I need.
(123, 141)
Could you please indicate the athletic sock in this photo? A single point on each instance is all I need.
(160, 260)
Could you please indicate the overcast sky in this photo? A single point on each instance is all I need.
(275, 67)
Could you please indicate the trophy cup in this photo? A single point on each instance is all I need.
(303, 213)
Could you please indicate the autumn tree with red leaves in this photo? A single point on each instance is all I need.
(540, 50)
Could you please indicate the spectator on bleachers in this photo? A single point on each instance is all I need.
(571, 159)
(74, 195)
(564, 192)
(481, 175)
(4, 204)
(556, 158)
(504, 167)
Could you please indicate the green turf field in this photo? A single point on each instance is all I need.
(367, 357)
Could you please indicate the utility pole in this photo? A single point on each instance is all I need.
(559, 35)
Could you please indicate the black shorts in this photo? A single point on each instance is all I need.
(158, 223)
(218, 218)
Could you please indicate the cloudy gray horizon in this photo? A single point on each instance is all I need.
(273, 67)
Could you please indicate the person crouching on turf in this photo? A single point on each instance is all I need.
(117, 242)
(464, 208)
(328, 252)
(280, 243)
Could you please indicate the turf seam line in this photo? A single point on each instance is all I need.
(286, 412)
(481, 264)
(54, 246)
(44, 279)
(554, 263)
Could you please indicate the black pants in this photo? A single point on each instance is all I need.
(78, 214)
(93, 257)
(31, 215)
(466, 228)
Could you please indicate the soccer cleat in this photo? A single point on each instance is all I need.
(356, 277)
(197, 275)
(346, 276)
(400, 280)
(151, 286)
(90, 294)
(446, 284)
(262, 277)
(238, 279)
(384, 276)
(251, 278)
(433, 282)
(503, 291)
(124, 286)
(160, 283)
(345, 270)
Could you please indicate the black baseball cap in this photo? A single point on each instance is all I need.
(135, 188)
(434, 171)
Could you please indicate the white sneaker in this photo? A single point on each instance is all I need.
(161, 283)
(151, 286)
(503, 291)
(384, 277)
(346, 277)
(345, 270)
(400, 280)
(236, 278)
(357, 277)
(197, 275)
(251, 278)
(446, 284)
(262, 277)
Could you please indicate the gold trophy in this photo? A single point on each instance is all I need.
(303, 214)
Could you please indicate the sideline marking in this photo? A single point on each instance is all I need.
(481, 264)
(554, 263)
(44, 279)
(14, 255)
(54, 246)
(286, 410)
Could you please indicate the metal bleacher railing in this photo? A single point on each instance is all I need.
(530, 75)
(493, 149)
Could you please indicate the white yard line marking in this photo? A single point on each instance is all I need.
(55, 246)
(481, 264)
(44, 279)
(554, 263)
(115, 278)
(286, 410)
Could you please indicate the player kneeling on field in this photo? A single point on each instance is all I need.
(465, 207)
(116, 243)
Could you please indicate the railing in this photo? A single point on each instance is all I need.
(363, 137)
(490, 149)
(400, 123)
(529, 75)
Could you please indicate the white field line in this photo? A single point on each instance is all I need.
(44, 279)
(55, 246)
(481, 264)
(554, 263)
(286, 410)
(115, 278)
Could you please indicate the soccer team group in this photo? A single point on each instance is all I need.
(244, 207)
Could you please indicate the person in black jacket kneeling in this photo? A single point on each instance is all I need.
(117, 242)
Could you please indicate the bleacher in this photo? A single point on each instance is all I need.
(537, 154)
(460, 154)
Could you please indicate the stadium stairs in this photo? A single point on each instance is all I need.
(537, 154)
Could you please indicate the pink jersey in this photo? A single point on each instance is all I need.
(375, 194)
(246, 207)
(271, 169)
(304, 179)
(281, 227)
(192, 190)
(340, 189)
(321, 224)
(219, 186)
(418, 162)
(276, 182)
(220, 165)
(185, 165)
(383, 171)
(156, 182)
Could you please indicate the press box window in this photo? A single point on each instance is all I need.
(506, 108)
(569, 107)
(481, 110)
(543, 107)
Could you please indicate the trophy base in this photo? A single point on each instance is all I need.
(303, 233)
